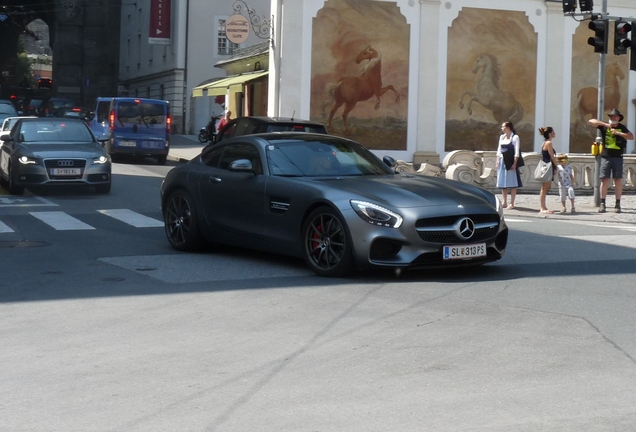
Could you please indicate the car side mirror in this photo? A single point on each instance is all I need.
(5, 137)
(389, 161)
(242, 165)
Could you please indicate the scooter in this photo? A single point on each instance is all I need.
(204, 135)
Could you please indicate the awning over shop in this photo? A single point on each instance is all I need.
(198, 90)
(234, 83)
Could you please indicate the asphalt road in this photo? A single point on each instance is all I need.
(105, 328)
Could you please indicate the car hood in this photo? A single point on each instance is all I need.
(410, 190)
(79, 150)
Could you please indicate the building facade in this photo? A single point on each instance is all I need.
(419, 79)
(183, 56)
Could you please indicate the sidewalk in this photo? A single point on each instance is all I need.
(185, 147)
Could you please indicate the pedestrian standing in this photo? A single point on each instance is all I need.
(615, 136)
(548, 156)
(566, 181)
(508, 154)
(225, 120)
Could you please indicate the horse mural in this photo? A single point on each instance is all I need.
(503, 104)
(350, 90)
(586, 103)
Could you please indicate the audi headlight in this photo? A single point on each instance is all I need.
(376, 215)
(100, 160)
(27, 160)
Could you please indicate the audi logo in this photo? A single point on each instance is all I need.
(465, 228)
(65, 163)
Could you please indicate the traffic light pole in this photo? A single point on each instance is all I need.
(600, 108)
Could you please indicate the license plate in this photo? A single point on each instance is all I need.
(66, 171)
(127, 144)
(465, 251)
(152, 144)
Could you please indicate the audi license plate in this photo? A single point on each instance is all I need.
(66, 171)
(127, 144)
(465, 251)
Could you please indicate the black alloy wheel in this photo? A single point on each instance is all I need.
(180, 222)
(326, 246)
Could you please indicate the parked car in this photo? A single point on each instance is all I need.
(259, 124)
(133, 126)
(30, 106)
(7, 109)
(330, 201)
(49, 105)
(50, 151)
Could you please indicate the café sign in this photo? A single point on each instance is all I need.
(237, 29)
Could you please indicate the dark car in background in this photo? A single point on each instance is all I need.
(260, 124)
(51, 151)
(73, 112)
(49, 105)
(330, 201)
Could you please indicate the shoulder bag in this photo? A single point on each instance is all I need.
(543, 172)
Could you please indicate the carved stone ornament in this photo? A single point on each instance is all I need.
(69, 9)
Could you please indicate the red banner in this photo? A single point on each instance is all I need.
(159, 22)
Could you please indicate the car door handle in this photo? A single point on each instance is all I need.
(214, 179)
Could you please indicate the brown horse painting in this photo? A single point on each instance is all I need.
(586, 103)
(353, 89)
(503, 104)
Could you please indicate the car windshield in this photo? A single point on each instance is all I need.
(321, 158)
(7, 109)
(54, 131)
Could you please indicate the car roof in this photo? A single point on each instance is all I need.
(288, 135)
(265, 119)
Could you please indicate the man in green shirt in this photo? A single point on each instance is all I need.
(615, 136)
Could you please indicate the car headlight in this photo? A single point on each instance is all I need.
(100, 160)
(27, 160)
(499, 207)
(376, 215)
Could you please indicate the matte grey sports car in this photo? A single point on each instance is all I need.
(53, 151)
(330, 201)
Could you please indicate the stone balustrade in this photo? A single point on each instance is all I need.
(478, 168)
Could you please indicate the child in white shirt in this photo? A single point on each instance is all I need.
(566, 181)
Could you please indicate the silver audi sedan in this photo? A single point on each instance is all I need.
(53, 151)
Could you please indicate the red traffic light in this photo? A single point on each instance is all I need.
(621, 42)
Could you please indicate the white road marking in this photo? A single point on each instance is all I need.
(517, 220)
(132, 218)
(4, 228)
(61, 221)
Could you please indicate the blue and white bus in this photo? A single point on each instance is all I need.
(134, 126)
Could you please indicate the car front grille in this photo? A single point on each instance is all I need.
(444, 229)
(52, 164)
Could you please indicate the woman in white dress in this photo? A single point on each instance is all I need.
(508, 153)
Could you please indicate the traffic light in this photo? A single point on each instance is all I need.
(632, 59)
(569, 6)
(621, 42)
(599, 41)
(587, 5)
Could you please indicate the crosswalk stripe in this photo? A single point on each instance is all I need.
(4, 228)
(61, 221)
(132, 218)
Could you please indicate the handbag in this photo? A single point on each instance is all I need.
(543, 172)
(520, 161)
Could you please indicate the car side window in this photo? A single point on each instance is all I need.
(228, 131)
(243, 127)
(234, 152)
(212, 155)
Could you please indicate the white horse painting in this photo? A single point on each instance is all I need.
(502, 103)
